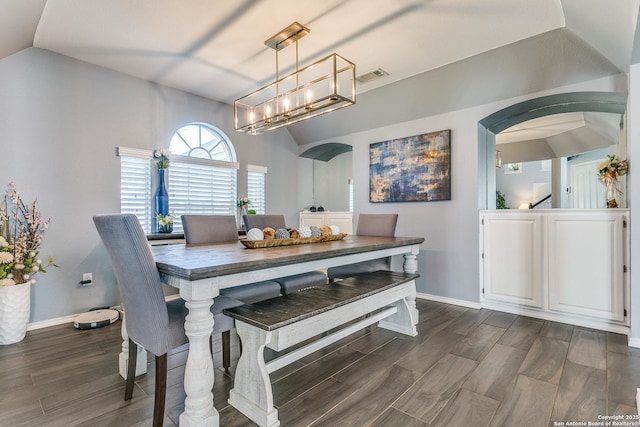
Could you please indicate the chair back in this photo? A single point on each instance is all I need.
(262, 221)
(138, 278)
(383, 225)
(209, 228)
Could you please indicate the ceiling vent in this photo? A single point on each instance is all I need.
(373, 75)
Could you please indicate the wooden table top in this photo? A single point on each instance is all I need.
(202, 261)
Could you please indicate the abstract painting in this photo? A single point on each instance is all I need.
(411, 169)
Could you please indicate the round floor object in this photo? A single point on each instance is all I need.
(96, 319)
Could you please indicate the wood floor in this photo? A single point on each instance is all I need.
(466, 367)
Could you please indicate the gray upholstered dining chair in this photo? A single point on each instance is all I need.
(383, 225)
(153, 323)
(220, 229)
(289, 284)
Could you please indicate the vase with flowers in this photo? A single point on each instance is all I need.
(608, 172)
(162, 196)
(165, 223)
(242, 204)
(21, 233)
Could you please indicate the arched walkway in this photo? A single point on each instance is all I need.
(604, 102)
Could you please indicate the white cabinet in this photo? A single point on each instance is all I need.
(344, 220)
(586, 265)
(562, 265)
(513, 261)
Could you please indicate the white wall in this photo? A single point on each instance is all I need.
(449, 258)
(633, 186)
(60, 121)
(329, 181)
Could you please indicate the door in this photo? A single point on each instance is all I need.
(586, 191)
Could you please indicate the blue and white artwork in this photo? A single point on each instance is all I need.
(411, 169)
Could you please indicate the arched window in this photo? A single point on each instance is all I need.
(202, 176)
(202, 141)
(202, 173)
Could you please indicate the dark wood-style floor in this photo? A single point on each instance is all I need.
(466, 367)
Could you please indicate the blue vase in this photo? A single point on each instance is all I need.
(162, 198)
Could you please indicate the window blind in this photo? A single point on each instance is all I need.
(350, 195)
(256, 179)
(196, 188)
(135, 189)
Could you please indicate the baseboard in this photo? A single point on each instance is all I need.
(634, 342)
(51, 322)
(70, 318)
(59, 320)
(453, 301)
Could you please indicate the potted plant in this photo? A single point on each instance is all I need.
(21, 233)
(501, 202)
(242, 203)
(165, 223)
(608, 172)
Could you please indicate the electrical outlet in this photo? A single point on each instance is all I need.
(87, 279)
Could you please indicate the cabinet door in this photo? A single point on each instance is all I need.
(343, 220)
(307, 220)
(586, 265)
(512, 258)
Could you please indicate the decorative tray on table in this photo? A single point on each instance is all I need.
(269, 243)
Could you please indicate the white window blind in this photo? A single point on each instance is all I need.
(198, 188)
(135, 188)
(256, 182)
(350, 195)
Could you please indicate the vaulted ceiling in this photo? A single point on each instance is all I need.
(214, 48)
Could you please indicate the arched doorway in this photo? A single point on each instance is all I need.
(605, 102)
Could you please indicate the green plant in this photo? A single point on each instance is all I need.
(501, 203)
(164, 219)
(163, 158)
(243, 201)
(251, 211)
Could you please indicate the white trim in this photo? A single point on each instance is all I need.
(205, 162)
(136, 152)
(571, 319)
(70, 318)
(51, 322)
(454, 301)
(634, 342)
(256, 168)
(133, 152)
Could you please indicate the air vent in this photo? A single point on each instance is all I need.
(367, 77)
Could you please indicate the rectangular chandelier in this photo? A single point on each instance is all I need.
(324, 86)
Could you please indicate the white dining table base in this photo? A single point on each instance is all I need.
(199, 292)
(198, 373)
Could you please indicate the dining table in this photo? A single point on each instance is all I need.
(199, 272)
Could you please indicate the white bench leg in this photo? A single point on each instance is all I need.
(405, 319)
(251, 393)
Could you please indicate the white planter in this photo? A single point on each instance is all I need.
(15, 307)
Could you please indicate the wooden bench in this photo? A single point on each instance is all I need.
(280, 323)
